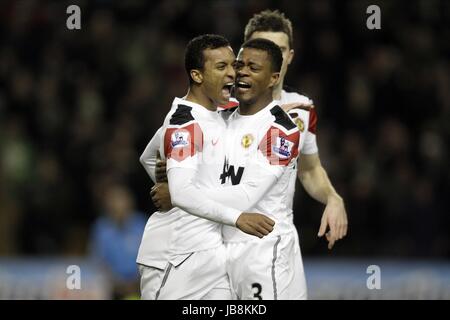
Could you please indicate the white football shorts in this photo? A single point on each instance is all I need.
(270, 268)
(201, 276)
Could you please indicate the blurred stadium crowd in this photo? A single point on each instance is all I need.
(78, 107)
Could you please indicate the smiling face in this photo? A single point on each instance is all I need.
(281, 39)
(254, 76)
(218, 74)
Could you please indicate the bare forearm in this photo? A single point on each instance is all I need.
(318, 185)
(315, 181)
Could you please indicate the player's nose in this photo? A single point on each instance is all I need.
(231, 73)
(241, 73)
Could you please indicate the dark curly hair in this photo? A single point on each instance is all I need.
(273, 51)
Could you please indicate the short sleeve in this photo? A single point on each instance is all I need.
(310, 144)
(306, 117)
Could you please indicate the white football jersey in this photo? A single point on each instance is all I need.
(190, 138)
(268, 140)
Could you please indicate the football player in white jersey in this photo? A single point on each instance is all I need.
(263, 143)
(274, 26)
(182, 255)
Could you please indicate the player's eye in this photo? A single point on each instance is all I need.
(237, 65)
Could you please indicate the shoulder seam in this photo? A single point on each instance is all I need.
(181, 115)
(282, 118)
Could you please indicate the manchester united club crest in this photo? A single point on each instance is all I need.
(247, 140)
(300, 124)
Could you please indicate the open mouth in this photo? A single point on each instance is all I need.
(243, 86)
(226, 90)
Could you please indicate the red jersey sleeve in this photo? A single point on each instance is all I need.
(183, 142)
(279, 147)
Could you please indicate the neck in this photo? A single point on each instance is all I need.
(195, 95)
(277, 90)
(251, 108)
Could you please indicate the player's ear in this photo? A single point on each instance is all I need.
(290, 56)
(274, 78)
(196, 76)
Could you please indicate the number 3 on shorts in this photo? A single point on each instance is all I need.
(258, 290)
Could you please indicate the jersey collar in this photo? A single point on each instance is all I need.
(268, 107)
(197, 107)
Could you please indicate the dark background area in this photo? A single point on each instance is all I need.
(77, 108)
